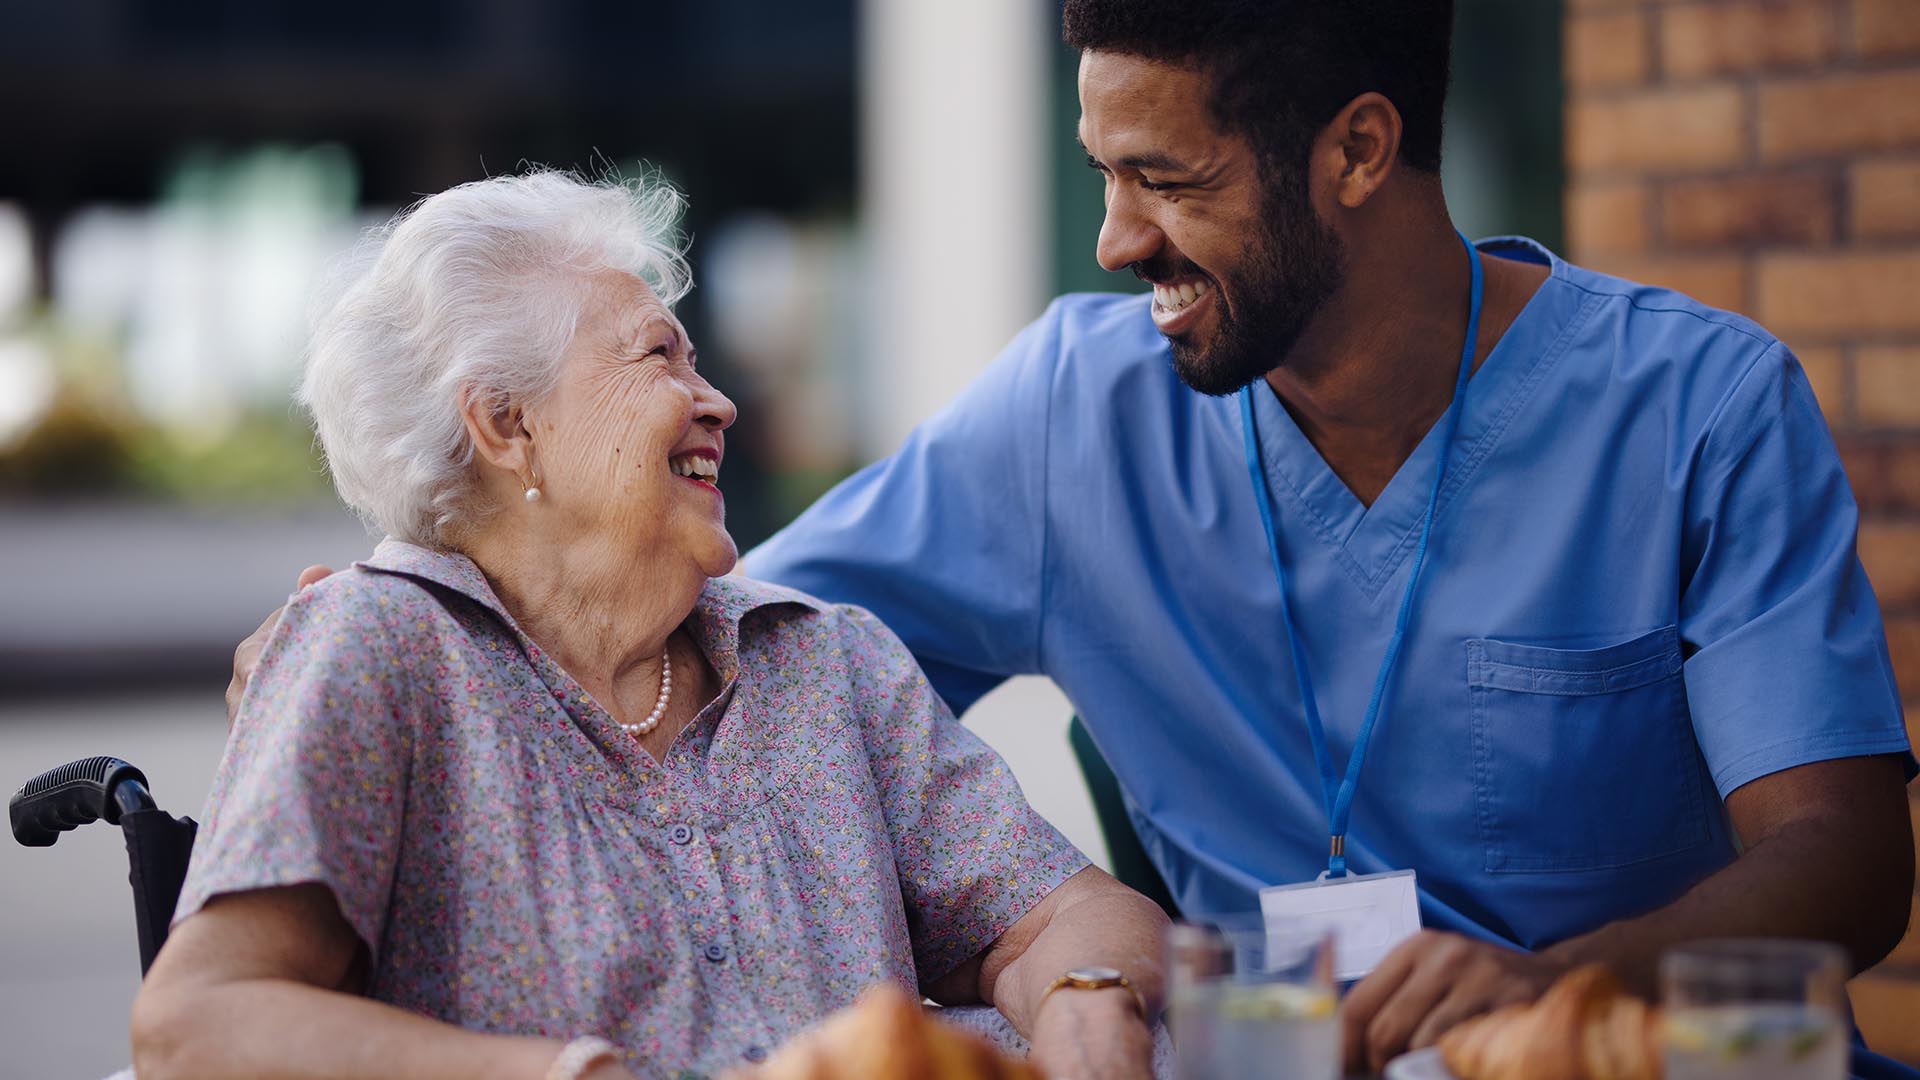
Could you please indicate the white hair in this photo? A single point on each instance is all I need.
(472, 292)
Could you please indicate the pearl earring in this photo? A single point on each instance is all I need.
(533, 494)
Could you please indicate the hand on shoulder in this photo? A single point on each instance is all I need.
(246, 655)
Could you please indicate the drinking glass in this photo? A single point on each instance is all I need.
(1764, 1010)
(1248, 1000)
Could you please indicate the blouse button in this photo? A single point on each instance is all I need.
(755, 1054)
(716, 952)
(681, 834)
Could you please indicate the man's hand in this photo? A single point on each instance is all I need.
(1430, 983)
(247, 655)
(1092, 1035)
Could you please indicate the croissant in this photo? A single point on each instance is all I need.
(886, 1035)
(1585, 1027)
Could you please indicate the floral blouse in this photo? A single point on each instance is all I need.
(516, 863)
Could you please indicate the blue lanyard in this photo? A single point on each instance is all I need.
(1338, 792)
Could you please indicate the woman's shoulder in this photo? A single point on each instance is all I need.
(359, 650)
(368, 597)
(760, 607)
(363, 619)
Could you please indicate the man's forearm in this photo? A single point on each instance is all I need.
(1814, 878)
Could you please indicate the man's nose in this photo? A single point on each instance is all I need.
(1125, 236)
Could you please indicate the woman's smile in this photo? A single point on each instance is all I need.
(698, 467)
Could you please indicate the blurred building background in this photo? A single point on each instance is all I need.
(882, 194)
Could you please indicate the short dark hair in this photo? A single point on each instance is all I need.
(1282, 69)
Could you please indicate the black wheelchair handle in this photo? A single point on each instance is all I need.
(76, 794)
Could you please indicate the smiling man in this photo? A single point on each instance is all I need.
(1565, 561)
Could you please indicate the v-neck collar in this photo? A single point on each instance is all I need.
(1371, 542)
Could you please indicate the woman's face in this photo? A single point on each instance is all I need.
(628, 446)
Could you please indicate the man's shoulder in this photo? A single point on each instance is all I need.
(1108, 329)
(1715, 373)
(1713, 341)
(1104, 354)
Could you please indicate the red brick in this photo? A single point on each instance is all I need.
(1884, 28)
(1884, 1006)
(1907, 953)
(1903, 644)
(1839, 296)
(1736, 39)
(1717, 281)
(1885, 473)
(1890, 550)
(1884, 196)
(1790, 208)
(1888, 378)
(1913, 813)
(1700, 128)
(1606, 218)
(1826, 369)
(1607, 49)
(1839, 114)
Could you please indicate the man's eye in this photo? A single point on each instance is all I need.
(1157, 185)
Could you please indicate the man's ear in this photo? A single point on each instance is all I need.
(1366, 134)
(498, 429)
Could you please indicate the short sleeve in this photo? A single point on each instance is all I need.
(313, 783)
(1788, 656)
(972, 855)
(945, 539)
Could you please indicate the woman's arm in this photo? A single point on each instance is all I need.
(250, 987)
(1091, 920)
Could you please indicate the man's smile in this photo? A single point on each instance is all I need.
(1178, 304)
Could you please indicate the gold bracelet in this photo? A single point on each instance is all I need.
(580, 1055)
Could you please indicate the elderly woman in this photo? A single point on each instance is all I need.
(536, 791)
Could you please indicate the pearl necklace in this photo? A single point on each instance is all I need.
(660, 704)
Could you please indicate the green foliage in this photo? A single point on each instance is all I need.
(75, 449)
(262, 459)
(82, 449)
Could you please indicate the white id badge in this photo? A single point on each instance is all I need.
(1368, 914)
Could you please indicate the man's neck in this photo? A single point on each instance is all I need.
(1377, 366)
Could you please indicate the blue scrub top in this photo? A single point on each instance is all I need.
(1641, 593)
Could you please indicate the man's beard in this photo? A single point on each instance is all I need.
(1287, 272)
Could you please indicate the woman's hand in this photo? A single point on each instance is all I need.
(1091, 1035)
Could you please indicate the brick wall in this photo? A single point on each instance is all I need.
(1764, 156)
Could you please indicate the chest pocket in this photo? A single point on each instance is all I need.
(1583, 759)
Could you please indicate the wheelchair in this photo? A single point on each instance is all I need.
(108, 789)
